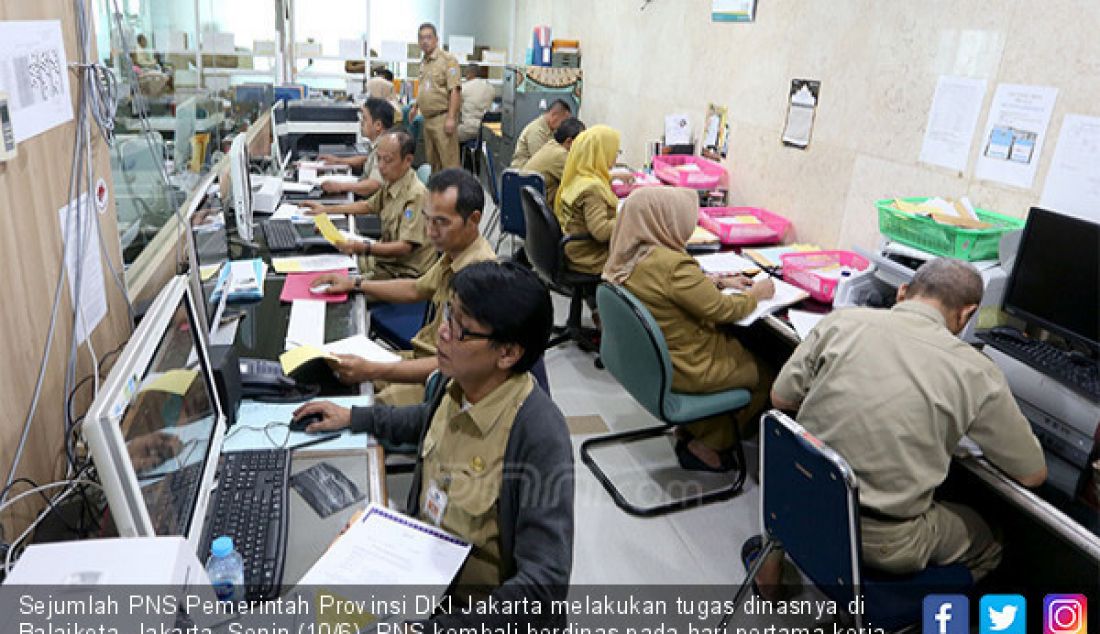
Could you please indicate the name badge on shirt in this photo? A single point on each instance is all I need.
(435, 504)
(427, 84)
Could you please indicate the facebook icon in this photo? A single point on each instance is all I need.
(946, 614)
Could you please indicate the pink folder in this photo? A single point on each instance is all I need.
(296, 286)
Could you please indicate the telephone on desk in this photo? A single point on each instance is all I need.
(263, 380)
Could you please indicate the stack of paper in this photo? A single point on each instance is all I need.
(785, 295)
(307, 324)
(244, 280)
(360, 346)
(727, 262)
(770, 257)
(313, 263)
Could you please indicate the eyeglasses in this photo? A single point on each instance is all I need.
(460, 333)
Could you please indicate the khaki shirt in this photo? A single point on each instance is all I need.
(589, 214)
(689, 308)
(550, 162)
(399, 205)
(893, 391)
(438, 77)
(477, 96)
(463, 456)
(434, 285)
(370, 167)
(534, 136)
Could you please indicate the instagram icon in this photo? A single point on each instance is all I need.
(1065, 614)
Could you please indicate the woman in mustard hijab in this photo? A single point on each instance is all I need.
(585, 202)
(648, 258)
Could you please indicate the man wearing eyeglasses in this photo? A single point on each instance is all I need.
(453, 214)
(494, 463)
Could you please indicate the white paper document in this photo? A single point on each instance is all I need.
(35, 74)
(386, 548)
(93, 293)
(307, 324)
(1073, 181)
(677, 129)
(952, 120)
(311, 263)
(803, 321)
(726, 262)
(393, 51)
(361, 346)
(1013, 139)
(785, 295)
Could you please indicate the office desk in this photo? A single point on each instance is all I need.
(1028, 521)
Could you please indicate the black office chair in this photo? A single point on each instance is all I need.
(545, 246)
(488, 177)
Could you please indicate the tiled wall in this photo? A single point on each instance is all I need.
(878, 62)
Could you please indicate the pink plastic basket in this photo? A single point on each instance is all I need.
(770, 230)
(641, 179)
(818, 272)
(708, 175)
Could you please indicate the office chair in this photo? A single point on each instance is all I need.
(545, 246)
(488, 178)
(397, 324)
(634, 351)
(511, 207)
(809, 505)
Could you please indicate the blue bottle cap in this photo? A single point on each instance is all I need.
(221, 546)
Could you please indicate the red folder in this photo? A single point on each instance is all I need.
(297, 285)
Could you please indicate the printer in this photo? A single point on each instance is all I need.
(306, 124)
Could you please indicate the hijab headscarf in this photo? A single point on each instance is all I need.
(651, 217)
(587, 165)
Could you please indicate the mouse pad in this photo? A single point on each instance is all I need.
(325, 488)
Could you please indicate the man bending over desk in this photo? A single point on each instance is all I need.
(494, 463)
(893, 391)
(455, 201)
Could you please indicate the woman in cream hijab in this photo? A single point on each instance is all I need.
(648, 258)
(585, 202)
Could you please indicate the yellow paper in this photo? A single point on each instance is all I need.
(909, 208)
(295, 358)
(702, 236)
(173, 381)
(328, 230)
(286, 265)
(208, 271)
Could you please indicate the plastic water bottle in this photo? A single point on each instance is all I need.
(225, 567)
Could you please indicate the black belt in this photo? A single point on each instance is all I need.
(874, 514)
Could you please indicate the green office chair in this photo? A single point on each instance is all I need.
(634, 351)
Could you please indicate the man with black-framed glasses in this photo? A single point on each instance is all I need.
(453, 214)
(494, 461)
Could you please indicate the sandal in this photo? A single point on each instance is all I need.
(690, 462)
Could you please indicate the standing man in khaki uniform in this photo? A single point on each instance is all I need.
(540, 131)
(455, 201)
(439, 99)
(893, 391)
(404, 250)
(550, 159)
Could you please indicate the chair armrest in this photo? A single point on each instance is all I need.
(575, 238)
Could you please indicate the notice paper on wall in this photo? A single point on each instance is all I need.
(800, 112)
(461, 46)
(34, 73)
(352, 49)
(1073, 182)
(952, 120)
(1014, 134)
(80, 237)
(393, 51)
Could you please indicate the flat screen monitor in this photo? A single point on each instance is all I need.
(156, 428)
(1056, 277)
(241, 181)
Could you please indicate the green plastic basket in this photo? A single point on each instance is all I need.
(953, 242)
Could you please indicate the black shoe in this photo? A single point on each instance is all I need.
(790, 581)
(690, 462)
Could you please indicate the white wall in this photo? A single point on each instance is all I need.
(488, 21)
(878, 61)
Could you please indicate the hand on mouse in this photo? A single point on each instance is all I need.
(333, 418)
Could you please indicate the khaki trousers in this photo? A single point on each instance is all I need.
(441, 148)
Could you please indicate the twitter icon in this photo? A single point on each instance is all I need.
(1002, 614)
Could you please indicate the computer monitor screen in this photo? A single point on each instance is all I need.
(155, 430)
(1056, 277)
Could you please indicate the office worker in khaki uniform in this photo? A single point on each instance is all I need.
(380, 86)
(585, 203)
(455, 201)
(549, 161)
(540, 131)
(648, 258)
(893, 391)
(376, 118)
(404, 250)
(439, 99)
(494, 463)
(477, 98)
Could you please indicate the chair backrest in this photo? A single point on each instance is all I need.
(489, 174)
(810, 499)
(511, 207)
(543, 241)
(424, 172)
(633, 348)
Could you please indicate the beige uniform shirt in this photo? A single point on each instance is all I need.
(438, 77)
(399, 205)
(893, 391)
(590, 213)
(534, 136)
(477, 96)
(463, 456)
(689, 308)
(434, 285)
(550, 162)
(370, 167)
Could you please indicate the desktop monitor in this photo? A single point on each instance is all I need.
(241, 182)
(156, 428)
(1056, 277)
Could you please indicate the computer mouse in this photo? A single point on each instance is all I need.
(320, 290)
(300, 423)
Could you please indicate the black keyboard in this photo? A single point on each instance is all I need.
(1083, 379)
(280, 235)
(250, 505)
